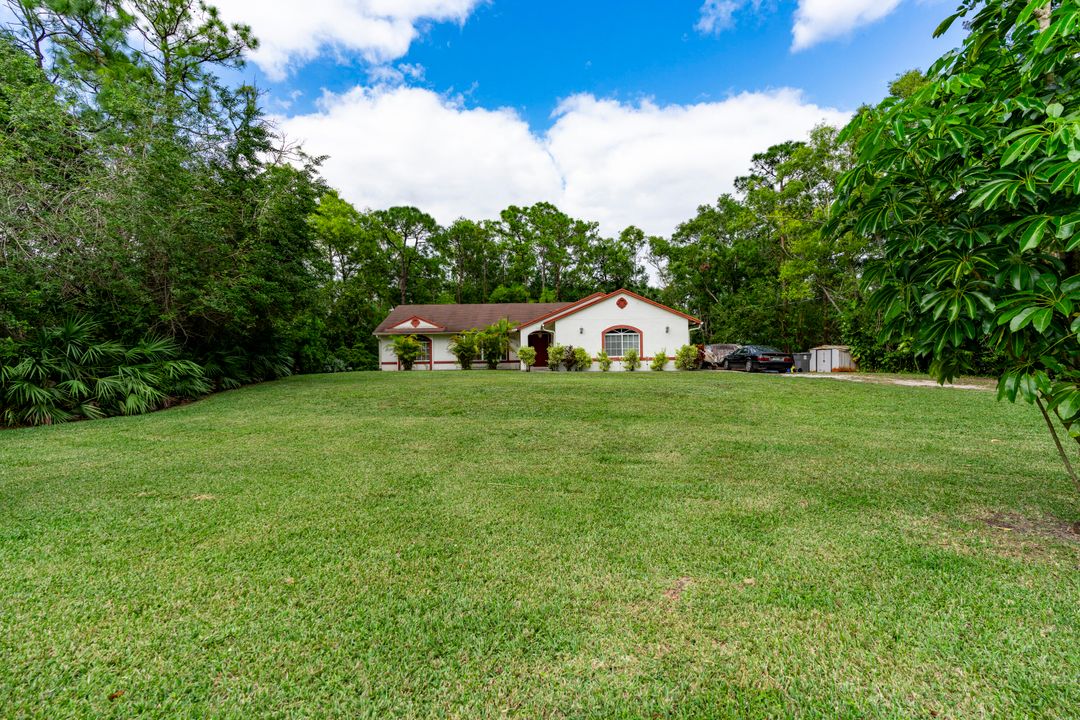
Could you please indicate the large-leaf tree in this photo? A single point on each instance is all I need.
(972, 184)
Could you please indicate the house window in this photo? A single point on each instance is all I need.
(619, 340)
(425, 352)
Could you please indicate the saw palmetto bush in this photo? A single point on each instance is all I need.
(67, 373)
(233, 368)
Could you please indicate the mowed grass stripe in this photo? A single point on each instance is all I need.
(542, 545)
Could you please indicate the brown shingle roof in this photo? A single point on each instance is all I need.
(456, 318)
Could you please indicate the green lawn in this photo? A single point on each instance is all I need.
(546, 545)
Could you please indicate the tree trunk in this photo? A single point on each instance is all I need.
(1057, 442)
(1043, 16)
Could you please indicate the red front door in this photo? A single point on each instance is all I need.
(539, 342)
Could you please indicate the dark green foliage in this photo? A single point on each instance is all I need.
(471, 263)
(973, 181)
(758, 268)
(872, 352)
(142, 194)
(907, 84)
(68, 372)
(406, 234)
(355, 293)
(509, 294)
(231, 368)
(140, 191)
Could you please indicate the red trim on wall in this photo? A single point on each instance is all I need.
(475, 362)
(632, 294)
(624, 326)
(560, 310)
(415, 321)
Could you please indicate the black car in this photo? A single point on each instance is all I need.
(758, 358)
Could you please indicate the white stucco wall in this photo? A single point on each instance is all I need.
(440, 355)
(659, 328)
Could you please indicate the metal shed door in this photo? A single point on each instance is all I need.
(824, 361)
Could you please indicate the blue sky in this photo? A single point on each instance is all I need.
(530, 55)
(627, 113)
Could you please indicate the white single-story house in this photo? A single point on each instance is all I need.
(613, 322)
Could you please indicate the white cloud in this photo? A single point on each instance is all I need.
(815, 20)
(380, 31)
(716, 15)
(620, 164)
(391, 75)
(407, 146)
(820, 20)
(653, 166)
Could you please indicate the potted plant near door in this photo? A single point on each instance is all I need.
(527, 356)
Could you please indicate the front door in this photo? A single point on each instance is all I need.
(539, 341)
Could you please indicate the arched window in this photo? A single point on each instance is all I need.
(618, 340)
(425, 354)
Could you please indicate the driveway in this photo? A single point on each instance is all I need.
(967, 383)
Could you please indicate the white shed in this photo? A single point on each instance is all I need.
(828, 358)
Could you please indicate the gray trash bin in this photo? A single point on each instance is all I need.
(802, 362)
